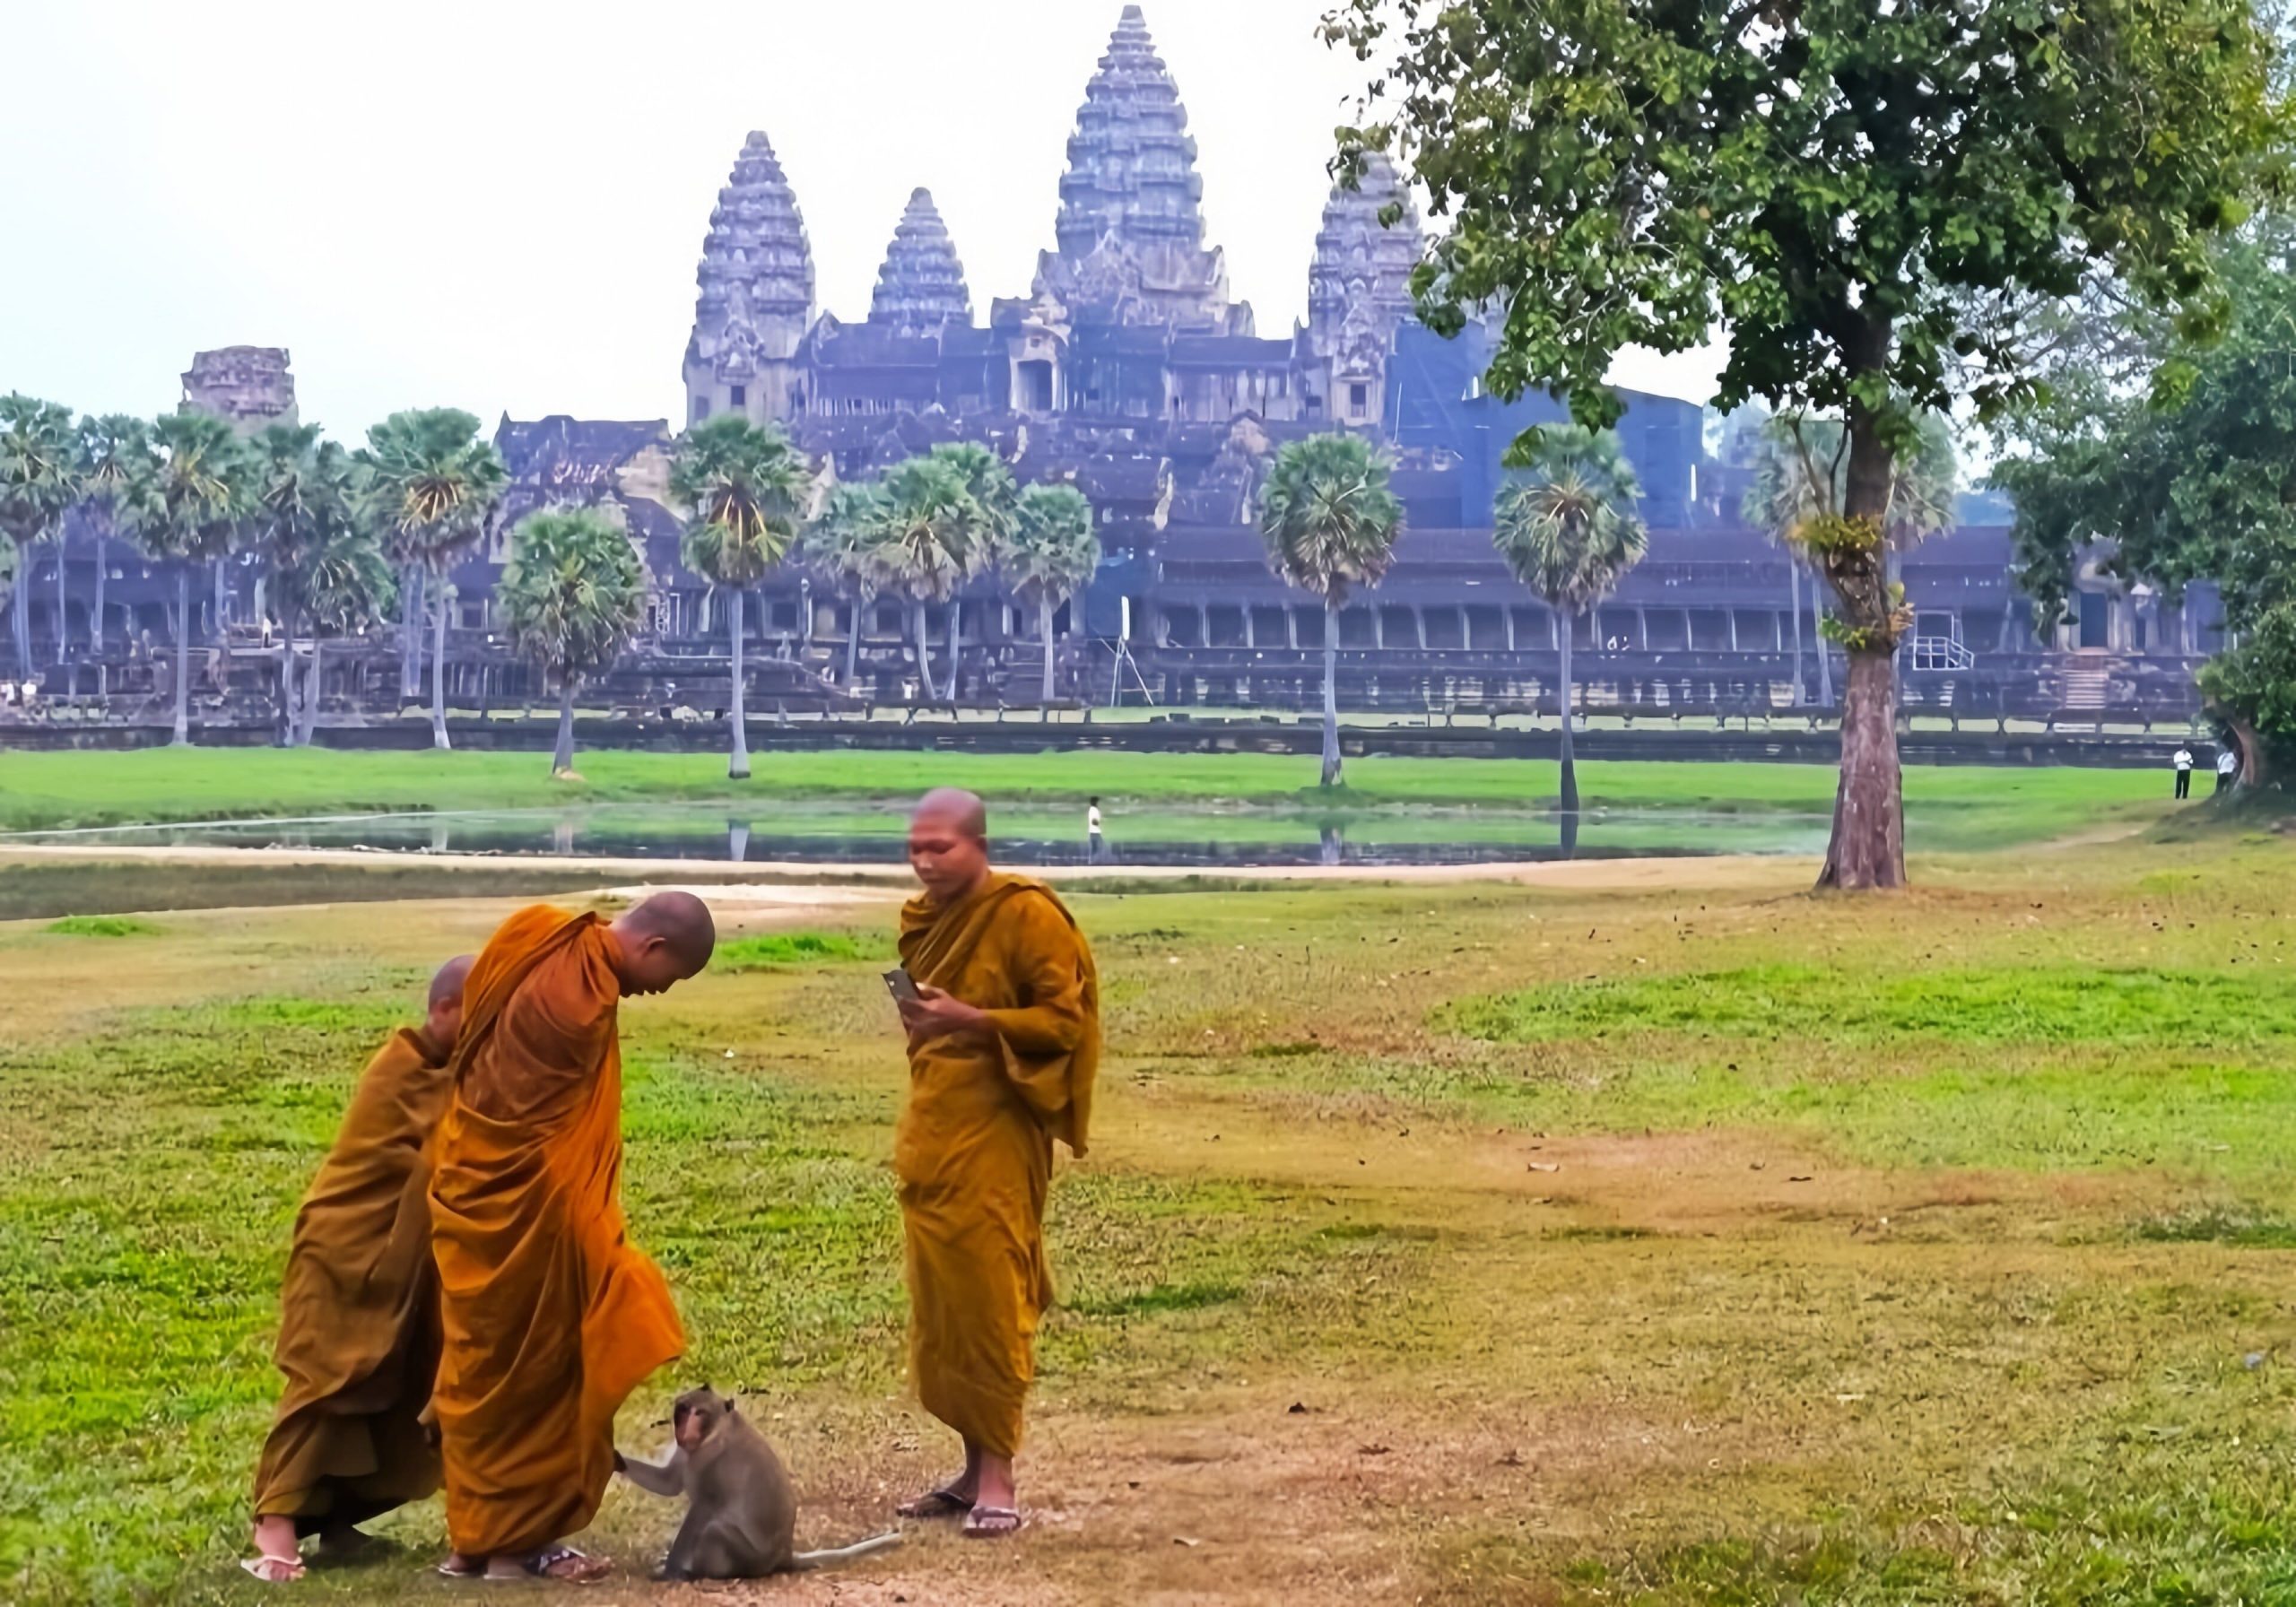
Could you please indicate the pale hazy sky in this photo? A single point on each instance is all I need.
(498, 204)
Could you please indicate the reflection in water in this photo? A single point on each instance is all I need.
(1335, 845)
(1570, 833)
(737, 841)
(561, 838)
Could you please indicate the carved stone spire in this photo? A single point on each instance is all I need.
(1362, 266)
(922, 285)
(756, 297)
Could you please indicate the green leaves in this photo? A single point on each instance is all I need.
(434, 483)
(1327, 517)
(573, 592)
(39, 468)
(1053, 552)
(1568, 529)
(200, 490)
(747, 491)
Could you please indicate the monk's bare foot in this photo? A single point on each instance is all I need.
(952, 1499)
(277, 1560)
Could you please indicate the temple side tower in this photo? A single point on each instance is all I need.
(922, 285)
(757, 295)
(1130, 231)
(1359, 288)
(250, 385)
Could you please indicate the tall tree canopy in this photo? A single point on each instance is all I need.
(202, 492)
(39, 480)
(846, 544)
(2202, 488)
(745, 490)
(1331, 525)
(1865, 196)
(116, 467)
(1569, 529)
(572, 596)
(1052, 554)
(936, 537)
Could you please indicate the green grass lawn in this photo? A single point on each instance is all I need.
(1703, 1243)
(1176, 797)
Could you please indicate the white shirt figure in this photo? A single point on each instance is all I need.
(1092, 819)
(2227, 762)
(2183, 760)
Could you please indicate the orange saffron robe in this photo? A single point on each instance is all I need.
(551, 1316)
(973, 1150)
(359, 1309)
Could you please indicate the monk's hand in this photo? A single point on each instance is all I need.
(935, 1013)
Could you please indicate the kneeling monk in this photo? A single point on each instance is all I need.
(552, 1315)
(359, 1309)
(1004, 1040)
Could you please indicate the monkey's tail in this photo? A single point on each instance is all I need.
(852, 1553)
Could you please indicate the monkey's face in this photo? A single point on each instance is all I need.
(697, 1414)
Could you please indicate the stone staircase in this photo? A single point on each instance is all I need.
(2088, 689)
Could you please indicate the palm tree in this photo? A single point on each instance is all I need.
(1568, 531)
(437, 486)
(39, 480)
(1052, 554)
(746, 488)
(1330, 523)
(201, 489)
(116, 463)
(307, 496)
(932, 544)
(997, 497)
(572, 596)
(845, 542)
(342, 586)
(1802, 473)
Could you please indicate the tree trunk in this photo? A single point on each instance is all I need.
(561, 761)
(410, 614)
(103, 574)
(215, 604)
(288, 712)
(853, 646)
(1331, 694)
(1794, 613)
(63, 598)
(439, 674)
(314, 687)
(1044, 628)
(1821, 647)
(21, 607)
(956, 617)
(182, 738)
(1867, 849)
(924, 653)
(1570, 762)
(737, 767)
(2252, 770)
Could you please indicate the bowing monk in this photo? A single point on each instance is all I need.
(551, 1316)
(359, 1309)
(1003, 1039)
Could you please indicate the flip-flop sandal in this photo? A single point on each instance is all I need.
(539, 1565)
(991, 1523)
(284, 1570)
(475, 1569)
(934, 1504)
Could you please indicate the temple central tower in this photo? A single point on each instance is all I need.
(757, 295)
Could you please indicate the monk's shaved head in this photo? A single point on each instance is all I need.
(447, 984)
(954, 807)
(663, 940)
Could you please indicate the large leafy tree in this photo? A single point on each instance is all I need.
(934, 541)
(1052, 554)
(845, 544)
(572, 596)
(2173, 494)
(745, 490)
(436, 487)
(1569, 530)
(116, 462)
(997, 512)
(310, 494)
(1864, 197)
(1330, 523)
(38, 482)
(202, 490)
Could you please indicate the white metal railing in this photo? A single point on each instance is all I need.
(1940, 653)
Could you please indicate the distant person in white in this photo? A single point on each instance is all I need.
(2228, 766)
(2183, 761)
(1095, 845)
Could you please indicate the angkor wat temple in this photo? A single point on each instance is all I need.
(1128, 370)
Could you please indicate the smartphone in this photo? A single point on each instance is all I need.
(901, 986)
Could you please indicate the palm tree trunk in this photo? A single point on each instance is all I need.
(1794, 613)
(853, 644)
(1331, 693)
(1044, 627)
(103, 574)
(1825, 658)
(21, 607)
(222, 586)
(1570, 697)
(737, 767)
(63, 610)
(288, 712)
(439, 674)
(924, 653)
(561, 762)
(314, 684)
(182, 738)
(410, 611)
(956, 613)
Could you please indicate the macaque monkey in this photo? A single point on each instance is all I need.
(740, 1514)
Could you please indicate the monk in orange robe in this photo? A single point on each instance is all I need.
(551, 1316)
(1003, 1041)
(359, 1309)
